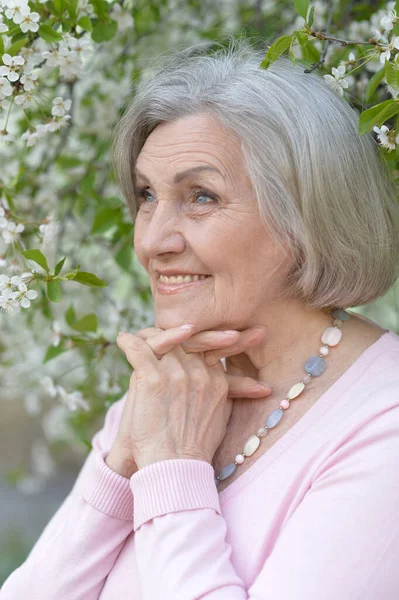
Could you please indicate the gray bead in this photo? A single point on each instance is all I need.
(274, 418)
(339, 313)
(227, 471)
(315, 365)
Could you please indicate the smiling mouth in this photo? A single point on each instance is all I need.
(168, 288)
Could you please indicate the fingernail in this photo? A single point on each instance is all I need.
(186, 326)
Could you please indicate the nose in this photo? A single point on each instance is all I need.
(160, 233)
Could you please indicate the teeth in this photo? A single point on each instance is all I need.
(181, 279)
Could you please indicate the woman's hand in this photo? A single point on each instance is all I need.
(120, 458)
(179, 406)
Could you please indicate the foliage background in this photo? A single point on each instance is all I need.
(60, 368)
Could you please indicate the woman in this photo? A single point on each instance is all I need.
(199, 485)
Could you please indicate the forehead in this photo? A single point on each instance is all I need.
(190, 142)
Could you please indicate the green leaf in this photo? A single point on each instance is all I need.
(68, 162)
(105, 219)
(15, 48)
(87, 323)
(66, 25)
(102, 32)
(99, 8)
(392, 75)
(70, 316)
(311, 17)
(18, 36)
(276, 50)
(38, 257)
(54, 291)
(85, 23)
(301, 7)
(54, 351)
(48, 34)
(71, 6)
(373, 83)
(89, 279)
(59, 6)
(1, 45)
(124, 257)
(377, 115)
(59, 266)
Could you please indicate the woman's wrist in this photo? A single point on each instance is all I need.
(124, 466)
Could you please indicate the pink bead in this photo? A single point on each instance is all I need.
(239, 459)
(284, 404)
(324, 351)
(306, 378)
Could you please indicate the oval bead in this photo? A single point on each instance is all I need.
(315, 365)
(339, 313)
(295, 390)
(331, 336)
(274, 418)
(227, 471)
(251, 445)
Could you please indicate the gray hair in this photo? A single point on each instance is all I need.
(324, 192)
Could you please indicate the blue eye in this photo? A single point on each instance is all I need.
(142, 194)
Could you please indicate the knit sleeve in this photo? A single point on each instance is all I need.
(80, 544)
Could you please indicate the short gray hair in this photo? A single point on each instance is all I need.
(324, 192)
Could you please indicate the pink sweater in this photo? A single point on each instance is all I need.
(314, 518)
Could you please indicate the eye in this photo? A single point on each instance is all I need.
(143, 193)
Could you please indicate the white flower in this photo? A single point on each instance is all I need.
(336, 80)
(70, 64)
(29, 81)
(25, 100)
(60, 106)
(82, 46)
(9, 304)
(388, 22)
(26, 295)
(386, 137)
(27, 21)
(11, 66)
(73, 400)
(12, 231)
(3, 26)
(5, 88)
(3, 219)
(6, 136)
(31, 138)
(16, 8)
(7, 283)
(122, 17)
(48, 385)
(52, 57)
(393, 44)
(57, 124)
(57, 334)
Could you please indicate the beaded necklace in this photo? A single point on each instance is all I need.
(314, 367)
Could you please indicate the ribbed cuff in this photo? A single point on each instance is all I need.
(173, 485)
(107, 491)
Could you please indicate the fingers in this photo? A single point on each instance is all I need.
(247, 339)
(245, 387)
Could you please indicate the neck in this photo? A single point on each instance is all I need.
(293, 333)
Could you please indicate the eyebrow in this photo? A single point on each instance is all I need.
(183, 174)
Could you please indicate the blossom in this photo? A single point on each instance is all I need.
(3, 219)
(11, 66)
(386, 137)
(60, 106)
(5, 88)
(29, 80)
(25, 295)
(393, 44)
(336, 80)
(73, 400)
(25, 100)
(57, 124)
(7, 283)
(6, 136)
(3, 26)
(27, 20)
(9, 304)
(388, 22)
(11, 232)
(122, 17)
(32, 137)
(16, 8)
(48, 386)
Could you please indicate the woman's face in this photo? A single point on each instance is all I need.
(206, 222)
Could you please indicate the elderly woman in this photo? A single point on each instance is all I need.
(260, 216)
